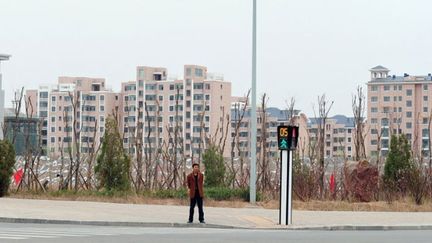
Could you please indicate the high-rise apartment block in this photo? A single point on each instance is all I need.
(267, 123)
(80, 102)
(339, 135)
(193, 109)
(157, 109)
(396, 105)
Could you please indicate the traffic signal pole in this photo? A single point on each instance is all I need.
(287, 142)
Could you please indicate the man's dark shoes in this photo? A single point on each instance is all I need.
(189, 221)
(202, 222)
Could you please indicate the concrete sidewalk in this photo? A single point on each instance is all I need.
(96, 213)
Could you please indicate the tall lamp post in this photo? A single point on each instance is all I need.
(252, 176)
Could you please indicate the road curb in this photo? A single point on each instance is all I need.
(112, 223)
(216, 226)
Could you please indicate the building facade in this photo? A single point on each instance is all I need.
(158, 109)
(267, 123)
(80, 102)
(339, 136)
(396, 105)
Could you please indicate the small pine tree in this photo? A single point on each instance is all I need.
(7, 161)
(398, 163)
(112, 168)
(214, 167)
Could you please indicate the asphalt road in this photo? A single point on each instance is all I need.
(77, 233)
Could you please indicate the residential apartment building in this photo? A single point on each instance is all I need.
(195, 106)
(398, 104)
(339, 136)
(85, 102)
(273, 117)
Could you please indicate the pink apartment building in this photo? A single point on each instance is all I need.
(396, 105)
(83, 101)
(198, 105)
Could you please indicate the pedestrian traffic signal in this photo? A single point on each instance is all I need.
(287, 137)
(283, 144)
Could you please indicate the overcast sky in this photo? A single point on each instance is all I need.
(305, 48)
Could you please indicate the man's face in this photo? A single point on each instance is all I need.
(196, 169)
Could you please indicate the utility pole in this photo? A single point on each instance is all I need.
(252, 176)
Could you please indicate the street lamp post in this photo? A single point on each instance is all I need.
(252, 176)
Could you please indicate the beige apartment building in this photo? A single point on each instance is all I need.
(83, 101)
(196, 106)
(398, 104)
(273, 117)
(339, 136)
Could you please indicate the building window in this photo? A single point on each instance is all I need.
(425, 98)
(141, 73)
(409, 103)
(408, 125)
(102, 97)
(102, 108)
(374, 88)
(198, 72)
(374, 109)
(409, 92)
(425, 109)
(386, 87)
(425, 132)
(400, 98)
(400, 87)
(425, 87)
(425, 120)
(386, 98)
(374, 121)
(408, 114)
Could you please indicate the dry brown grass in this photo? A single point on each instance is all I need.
(129, 199)
(404, 205)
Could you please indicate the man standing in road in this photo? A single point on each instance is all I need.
(196, 192)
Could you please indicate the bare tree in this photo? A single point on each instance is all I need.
(358, 107)
(324, 108)
(239, 113)
(264, 164)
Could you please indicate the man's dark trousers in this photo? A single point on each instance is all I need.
(196, 200)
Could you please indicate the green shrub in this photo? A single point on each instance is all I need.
(170, 193)
(225, 193)
(112, 164)
(214, 167)
(7, 161)
(214, 193)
